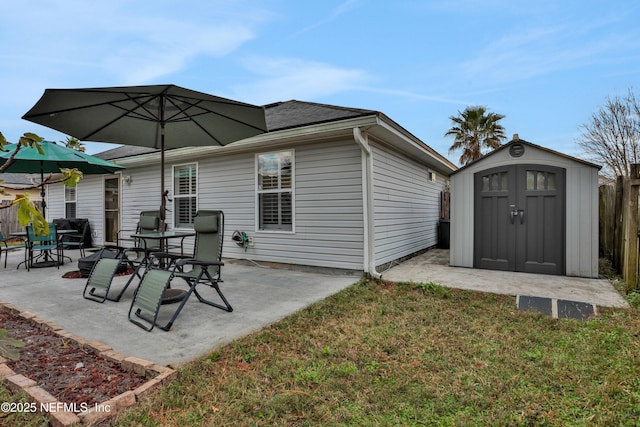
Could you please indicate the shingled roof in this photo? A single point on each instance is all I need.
(292, 114)
(279, 116)
(16, 180)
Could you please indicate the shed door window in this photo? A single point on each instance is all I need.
(185, 196)
(275, 191)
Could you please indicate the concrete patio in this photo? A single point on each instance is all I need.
(432, 266)
(259, 295)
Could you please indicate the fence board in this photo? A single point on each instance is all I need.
(607, 219)
(9, 219)
(619, 223)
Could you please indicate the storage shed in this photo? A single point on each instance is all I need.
(526, 208)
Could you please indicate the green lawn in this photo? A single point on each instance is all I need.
(412, 354)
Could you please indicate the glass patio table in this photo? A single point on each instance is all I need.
(164, 236)
(170, 295)
(48, 258)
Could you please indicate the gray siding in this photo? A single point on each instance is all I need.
(328, 204)
(89, 203)
(406, 205)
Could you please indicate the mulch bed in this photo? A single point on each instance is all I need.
(61, 367)
(78, 275)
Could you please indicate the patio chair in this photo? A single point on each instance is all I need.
(75, 240)
(99, 281)
(149, 221)
(147, 299)
(45, 245)
(4, 248)
(205, 264)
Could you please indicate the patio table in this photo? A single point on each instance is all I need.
(164, 236)
(48, 259)
(170, 295)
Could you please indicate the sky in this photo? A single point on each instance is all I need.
(548, 66)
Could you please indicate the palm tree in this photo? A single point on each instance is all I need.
(73, 143)
(475, 129)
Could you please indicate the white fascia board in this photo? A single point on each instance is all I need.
(408, 143)
(263, 141)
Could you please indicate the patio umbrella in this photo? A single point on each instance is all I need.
(55, 157)
(157, 116)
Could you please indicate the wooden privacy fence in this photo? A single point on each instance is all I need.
(618, 210)
(9, 219)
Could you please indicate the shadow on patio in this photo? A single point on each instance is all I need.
(259, 295)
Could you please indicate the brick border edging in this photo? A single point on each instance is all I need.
(157, 376)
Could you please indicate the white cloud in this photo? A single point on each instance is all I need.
(283, 79)
(341, 9)
(121, 40)
(532, 52)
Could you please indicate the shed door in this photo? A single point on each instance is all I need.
(519, 219)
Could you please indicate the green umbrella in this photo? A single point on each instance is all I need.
(55, 157)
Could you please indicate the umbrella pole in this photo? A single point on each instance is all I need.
(42, 192)
(163, 202)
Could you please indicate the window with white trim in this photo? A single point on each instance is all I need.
(70, 202)
(185, 195)
(274, 191)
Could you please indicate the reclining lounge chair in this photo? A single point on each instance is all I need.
(201, 269)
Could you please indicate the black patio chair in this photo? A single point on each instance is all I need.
(137, 256)
(203, 268)
(4, 248)
(75, 240)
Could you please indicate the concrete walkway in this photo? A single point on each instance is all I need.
(432, 266)
(259, 295)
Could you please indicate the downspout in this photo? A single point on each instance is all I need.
(367, 196)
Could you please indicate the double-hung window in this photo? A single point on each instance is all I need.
(185, 195)
(70, 202)
(275, 175)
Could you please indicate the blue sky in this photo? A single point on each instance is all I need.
(546, 65)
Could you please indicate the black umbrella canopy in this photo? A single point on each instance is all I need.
(135, 115)
(158, 116)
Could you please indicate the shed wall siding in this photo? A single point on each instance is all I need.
(581, 256)
(406, 205)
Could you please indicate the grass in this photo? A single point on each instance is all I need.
(20, 412)
(412, 354)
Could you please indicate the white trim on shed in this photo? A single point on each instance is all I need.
(581, 216)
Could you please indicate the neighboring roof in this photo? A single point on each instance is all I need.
(124, 151)
(16, 180)
(517, 140)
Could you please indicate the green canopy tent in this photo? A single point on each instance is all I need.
(55, 157)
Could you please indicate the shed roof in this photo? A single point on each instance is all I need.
(517, 140)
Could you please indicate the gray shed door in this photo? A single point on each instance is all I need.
(519, 219)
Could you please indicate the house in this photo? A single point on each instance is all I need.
(526, 208)
(17, 183)
(326, 186)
